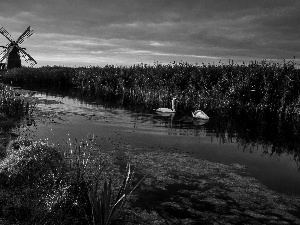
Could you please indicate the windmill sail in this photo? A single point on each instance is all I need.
(27, 57)
(6, 53)
(6, 34)
(27, 33)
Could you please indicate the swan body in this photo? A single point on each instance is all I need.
(167, 110)
(199, 114)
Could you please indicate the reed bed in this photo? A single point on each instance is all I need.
(252, 88)
(44, 76)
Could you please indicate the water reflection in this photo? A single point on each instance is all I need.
(199, 122)
(269, 132)
(274, 134)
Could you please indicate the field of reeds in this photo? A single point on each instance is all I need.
(251, 88)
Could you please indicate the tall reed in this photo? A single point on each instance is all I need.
(255, 87)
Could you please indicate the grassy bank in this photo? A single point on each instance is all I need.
(253, 88)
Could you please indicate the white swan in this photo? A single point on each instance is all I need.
(167, 110)
(199, 114)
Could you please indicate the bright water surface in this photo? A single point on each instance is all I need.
(62, 117)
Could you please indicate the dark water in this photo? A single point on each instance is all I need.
(217, 140)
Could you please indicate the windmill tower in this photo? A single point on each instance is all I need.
(12, 51)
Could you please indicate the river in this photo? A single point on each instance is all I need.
(61, 117)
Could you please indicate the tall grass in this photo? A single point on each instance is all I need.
(107, 205)
(255, 87)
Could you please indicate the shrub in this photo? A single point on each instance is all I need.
(29, 169)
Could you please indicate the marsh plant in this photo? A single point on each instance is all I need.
(42, 183)
(108, 204)
(94, 186)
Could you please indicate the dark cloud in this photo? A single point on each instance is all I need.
(147, 29)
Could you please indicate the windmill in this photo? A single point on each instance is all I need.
(12, 51)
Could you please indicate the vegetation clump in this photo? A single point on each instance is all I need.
(42, 185)
(27, 172)
(11, 105)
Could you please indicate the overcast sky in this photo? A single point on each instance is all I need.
(127, 32)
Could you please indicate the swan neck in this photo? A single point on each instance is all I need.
(173, 104)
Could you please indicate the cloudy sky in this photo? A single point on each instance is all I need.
(127, 32)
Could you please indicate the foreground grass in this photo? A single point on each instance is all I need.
(253, 88)
(40, 185)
